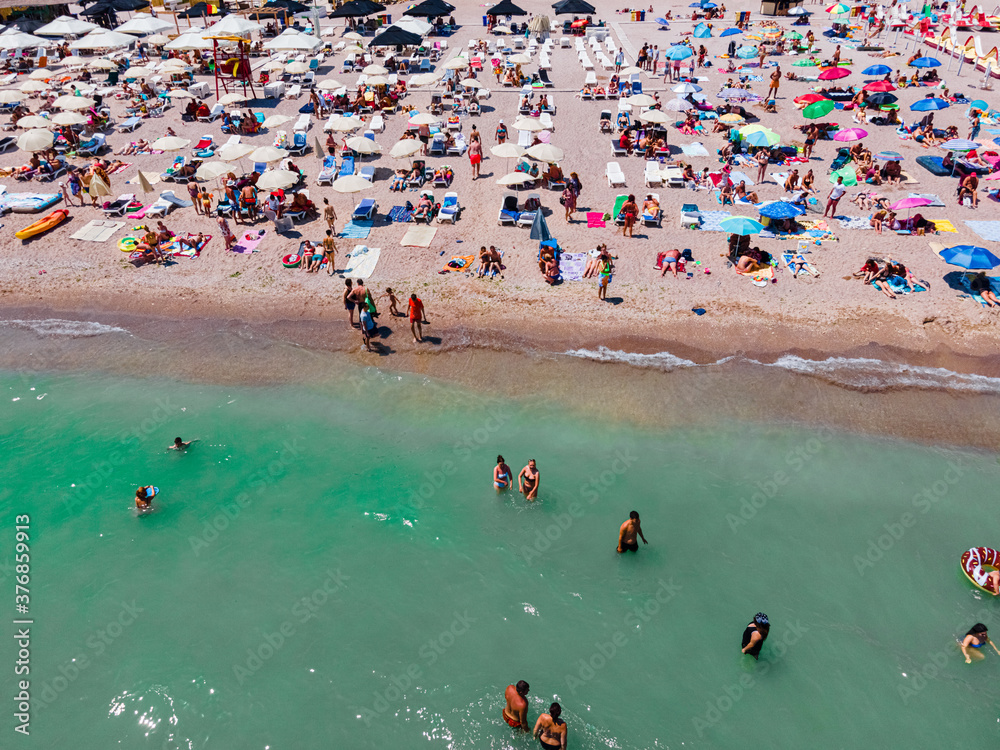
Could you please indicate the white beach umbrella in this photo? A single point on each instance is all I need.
(377, 81)
(34, 121)
(329, 84)
(297, 68)
(274, 65)
(41, 74)
(66, 26)
(276, 121)
(158, 39)
(180, 94)
(102, 39)
(343, 124)
(73, 102)
(233, 98)
(414, 26)
(686, 88)
(69, 118)
(424, 118)
(189, 41)
(73, 61)
(32, 86)
(268, 154)
(352, 183)
(471, 83)
(405, 149)
(457, 63)
(528, 123)
(234, 151)
(515, 178)
(20, 40)
(35, 140)
(143, 26)
(169, 143)
(677, 105)
(655, 117)
(277, 179)
(631, 70)
(519, 59)
(10, 97)
(212, 170)
(232, 25)
(363, 145)
(101, 63)
(425, 79)
(507, 150)
(291, 40)
(352, 36)
(545, 152)
(641, 100)
(138, 71)
(501, 29)
(375, 70)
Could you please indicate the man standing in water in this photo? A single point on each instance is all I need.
(527, 481)
(515, 713)
(627, 534)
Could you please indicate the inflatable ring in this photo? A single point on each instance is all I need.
(973, 562)
(127, 244)
(291, 260)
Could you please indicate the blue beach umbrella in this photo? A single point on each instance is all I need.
(740, 225)
(679, 52)
(889, 156)
(979, 104)
(663, 22)
(926, 62)
(970, 257)
(746, 53)
(780, 210)
(959, 144)
(876, 70)
(929, 104)
(732, 31)
(759, 138)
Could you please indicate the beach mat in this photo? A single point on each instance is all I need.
(571, 266)
(174, 248)
(361, 262)
(988, 230)
(711, 221)
(943, 225)
(595, 220)
(616, 209)
(458, 263)
(737, 176)
(855, 222)
(418, 236)
(938, 203)
(400, 214)
(694, 149)
(248, 242)
(97, 231)
(356, 230)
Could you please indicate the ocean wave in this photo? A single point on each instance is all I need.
(52, 327)
(660, 360)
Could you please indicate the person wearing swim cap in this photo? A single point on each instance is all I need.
(755, 635)
(977, 637)
(144, 497)
(627, 534)
(515, 713)
(550, 730)
(501, 475)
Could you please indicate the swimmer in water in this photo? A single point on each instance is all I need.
(977, 637)
(515, 713)
(180, 445)
(144, 497)
(528, 480)
(627, 534)
(550, 730)
(501, 475)
(755, 635)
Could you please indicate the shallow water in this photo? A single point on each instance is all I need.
(332, 562)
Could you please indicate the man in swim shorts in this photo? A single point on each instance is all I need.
(501, 475)
(528, 480)
(627, 534)
(515, 713)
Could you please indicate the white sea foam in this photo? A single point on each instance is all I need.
(52, 327)
(660, 360)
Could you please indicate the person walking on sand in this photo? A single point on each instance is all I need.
(330, 214)
(227, 234)
(569, 200)
(762, 158)
(528, 481)
(349, 299)
(475, 156)
(605, 274)
(775, 82)
(330, 251)
(627, 534)
(515, 712)
(836, 193)
(417, 318)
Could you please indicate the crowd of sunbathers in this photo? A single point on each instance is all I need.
(884, 277)
(153, 243)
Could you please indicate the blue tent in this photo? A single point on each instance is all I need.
(701, 31)
(731, 32)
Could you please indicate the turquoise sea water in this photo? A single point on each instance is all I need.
(330, 567)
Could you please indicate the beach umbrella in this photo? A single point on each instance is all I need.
(179, 94)
(678, 105)
(377, 81)
(267, 154)
(353, 36)
(876, 86)
(276, 121)
(977, 104)
(732, 119)
(422, 28)
(640, 100)
(375, 70)
(457, 63)
(34, 121)
(732, 31)
(519, 59)
(32, 86)
(103, 39)
(850, 134)
(234, 98)
(507, 150)
(506, 8)
(406, 148)
(746, 53)
(539, 228)
(363, 145)
(819, 108)
(192, 40)
(630, 70)
(73, 61)
(98, 188)
(762, 138)
(212, 170)
(137, 71)
(69, 118)
(73, 102)
(889, 156)
(742, 225)
(656, 117)
(297, 68)
(969, 257)
(912, 202)
(528, 123)
(10, 97)
(780, 210)
(794, 35)
(573, 7)
(838, 10)
(926, 62)
(545, 152)
(515, 178)
(233, 26)
(329, 84)
(20, 40)
(423, 118)
(959, 144)
(155, 39)
(234, 151)
(679, 52)
(799, 11)
(930, 104)
(41, 74)
(277, 65)
(352, 183)
(343, 124)
(394, 37)
(471, 83)
(878, 100)
(832, 74)
(144, 183)
(277, 179)
(755, 128)
(425, 79)
(876, 70)
(686, 88)
(101, 63)
(291, 40)
(66, 26)
(143, 26)
(169, 143)
(847, 172)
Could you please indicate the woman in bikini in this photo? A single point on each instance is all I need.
(550, 730)
(501, 475)
(528, 480)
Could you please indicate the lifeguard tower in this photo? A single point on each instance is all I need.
(232, 65)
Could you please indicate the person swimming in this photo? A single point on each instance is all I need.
(977, 637)
(144, 497)
(550, 730)
(528, 480)
(755, 635)
(627, 534)
(515, 713)
(179, 445)
(501, 475)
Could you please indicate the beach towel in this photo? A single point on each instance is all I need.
(711, 221)
(248, 241)
(356, 230)
(694, 149)
(418, 235)
(798, 265)
(760, 277)
(988, 230)
(458, 263)
(595, 220)
(121, 168)
(400, 214)
(737, 176)
(855, 222)
(174, 248)
(361, 262)
(938, 203)
(617, 209)
(571, 266)
(97, 231)
(943, 225)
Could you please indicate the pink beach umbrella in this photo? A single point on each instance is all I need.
(832, 74)
(910, 203)
(992, 176)
(850, 134)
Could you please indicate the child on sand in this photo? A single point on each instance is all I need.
(393, 301)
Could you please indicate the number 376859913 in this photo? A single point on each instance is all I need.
(22, 560)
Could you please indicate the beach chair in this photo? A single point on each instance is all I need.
(299, 143)
(377, 124)
(366, 210)
(690, 216)
(314, 64)
(459, 147)
(6, 143)
(222, 208)
(673, 177)
(118, 206)
(282, 225)
(614, 174)
(524, 138)
(328, 173)
(204, 148)
(508, 210)
(653, 220)
(591, 79)
(527, 218)
(93, 146)
(216, 112)
(449, 208)
(437, 147)
(606, 125)
(294, 91)
(617, 149)
(302, 124)
(163, 204)
(127, 126)
(545, 119)
(439, 176)
(58, 170)
(652, 176)
(346, 167)
(367, 172)
(565, 42)
(418, 180)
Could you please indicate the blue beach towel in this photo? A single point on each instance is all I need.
(356, 230)
(400, 214)
(711, 221)
(988, 230)
(855, 222)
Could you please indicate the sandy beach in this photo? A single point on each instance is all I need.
(831, 313)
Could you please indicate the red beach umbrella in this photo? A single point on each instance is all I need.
(832, 74)
(809, 98)
(879, 86)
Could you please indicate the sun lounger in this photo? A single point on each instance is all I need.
(299, 143)
(302, 124)
(508, 210)
(366, 210)
(7, 142)
(346, 167)
(215, 113)
(655, 219)
(652, 176)
(617, 149)
(449, 208)
(615, 175)
(91, 147)
(368, 172)
(690, 216)
(129, 125)
(118, 206)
